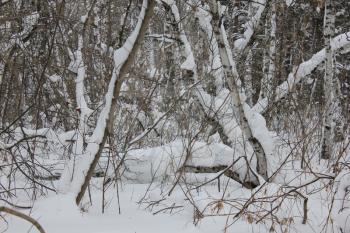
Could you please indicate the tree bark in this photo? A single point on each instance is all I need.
(329, 93)
(23, 216)
(235, 86)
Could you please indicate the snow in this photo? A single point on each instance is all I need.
(83, 18)
(146, 208)
(73, 65)
(289, 2)
(81, 102)
(132, 218)
(148, 174)
(341, 207)
(28, 22)
(256, 122)
(81, 164)
(189, 63)
(221, 105)
(241, 43)
(55, 78)
(304, 69)
(204, 20)
(158, 163)
(232, 62)
(265, 137)
(206, 100)
(148, 177)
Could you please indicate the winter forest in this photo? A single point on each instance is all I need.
(194, 116)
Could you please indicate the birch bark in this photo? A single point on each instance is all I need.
(234, 84)
(329, 107)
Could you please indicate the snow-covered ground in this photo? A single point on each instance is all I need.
(147, 208)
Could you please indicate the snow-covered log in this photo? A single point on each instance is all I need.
(159, 163)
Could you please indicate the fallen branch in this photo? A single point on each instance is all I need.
(23, 216)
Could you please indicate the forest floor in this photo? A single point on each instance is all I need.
(147, 208)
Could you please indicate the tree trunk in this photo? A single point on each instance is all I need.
(235, 86)
(327, 130)
(249, 180)
(123, 59)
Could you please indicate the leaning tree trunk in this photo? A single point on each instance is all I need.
(123, 59)
(250, 180)
(235, 86)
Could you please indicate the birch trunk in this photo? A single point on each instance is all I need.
(248, 79)
(82, 107)
(249, 180)
(234, 84)
(328, 83)
(269, 66)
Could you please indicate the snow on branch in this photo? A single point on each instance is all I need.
(250, 26)
(204, 19)
(81, 102)
(339, 42)
(189, 63)
(84, 164)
